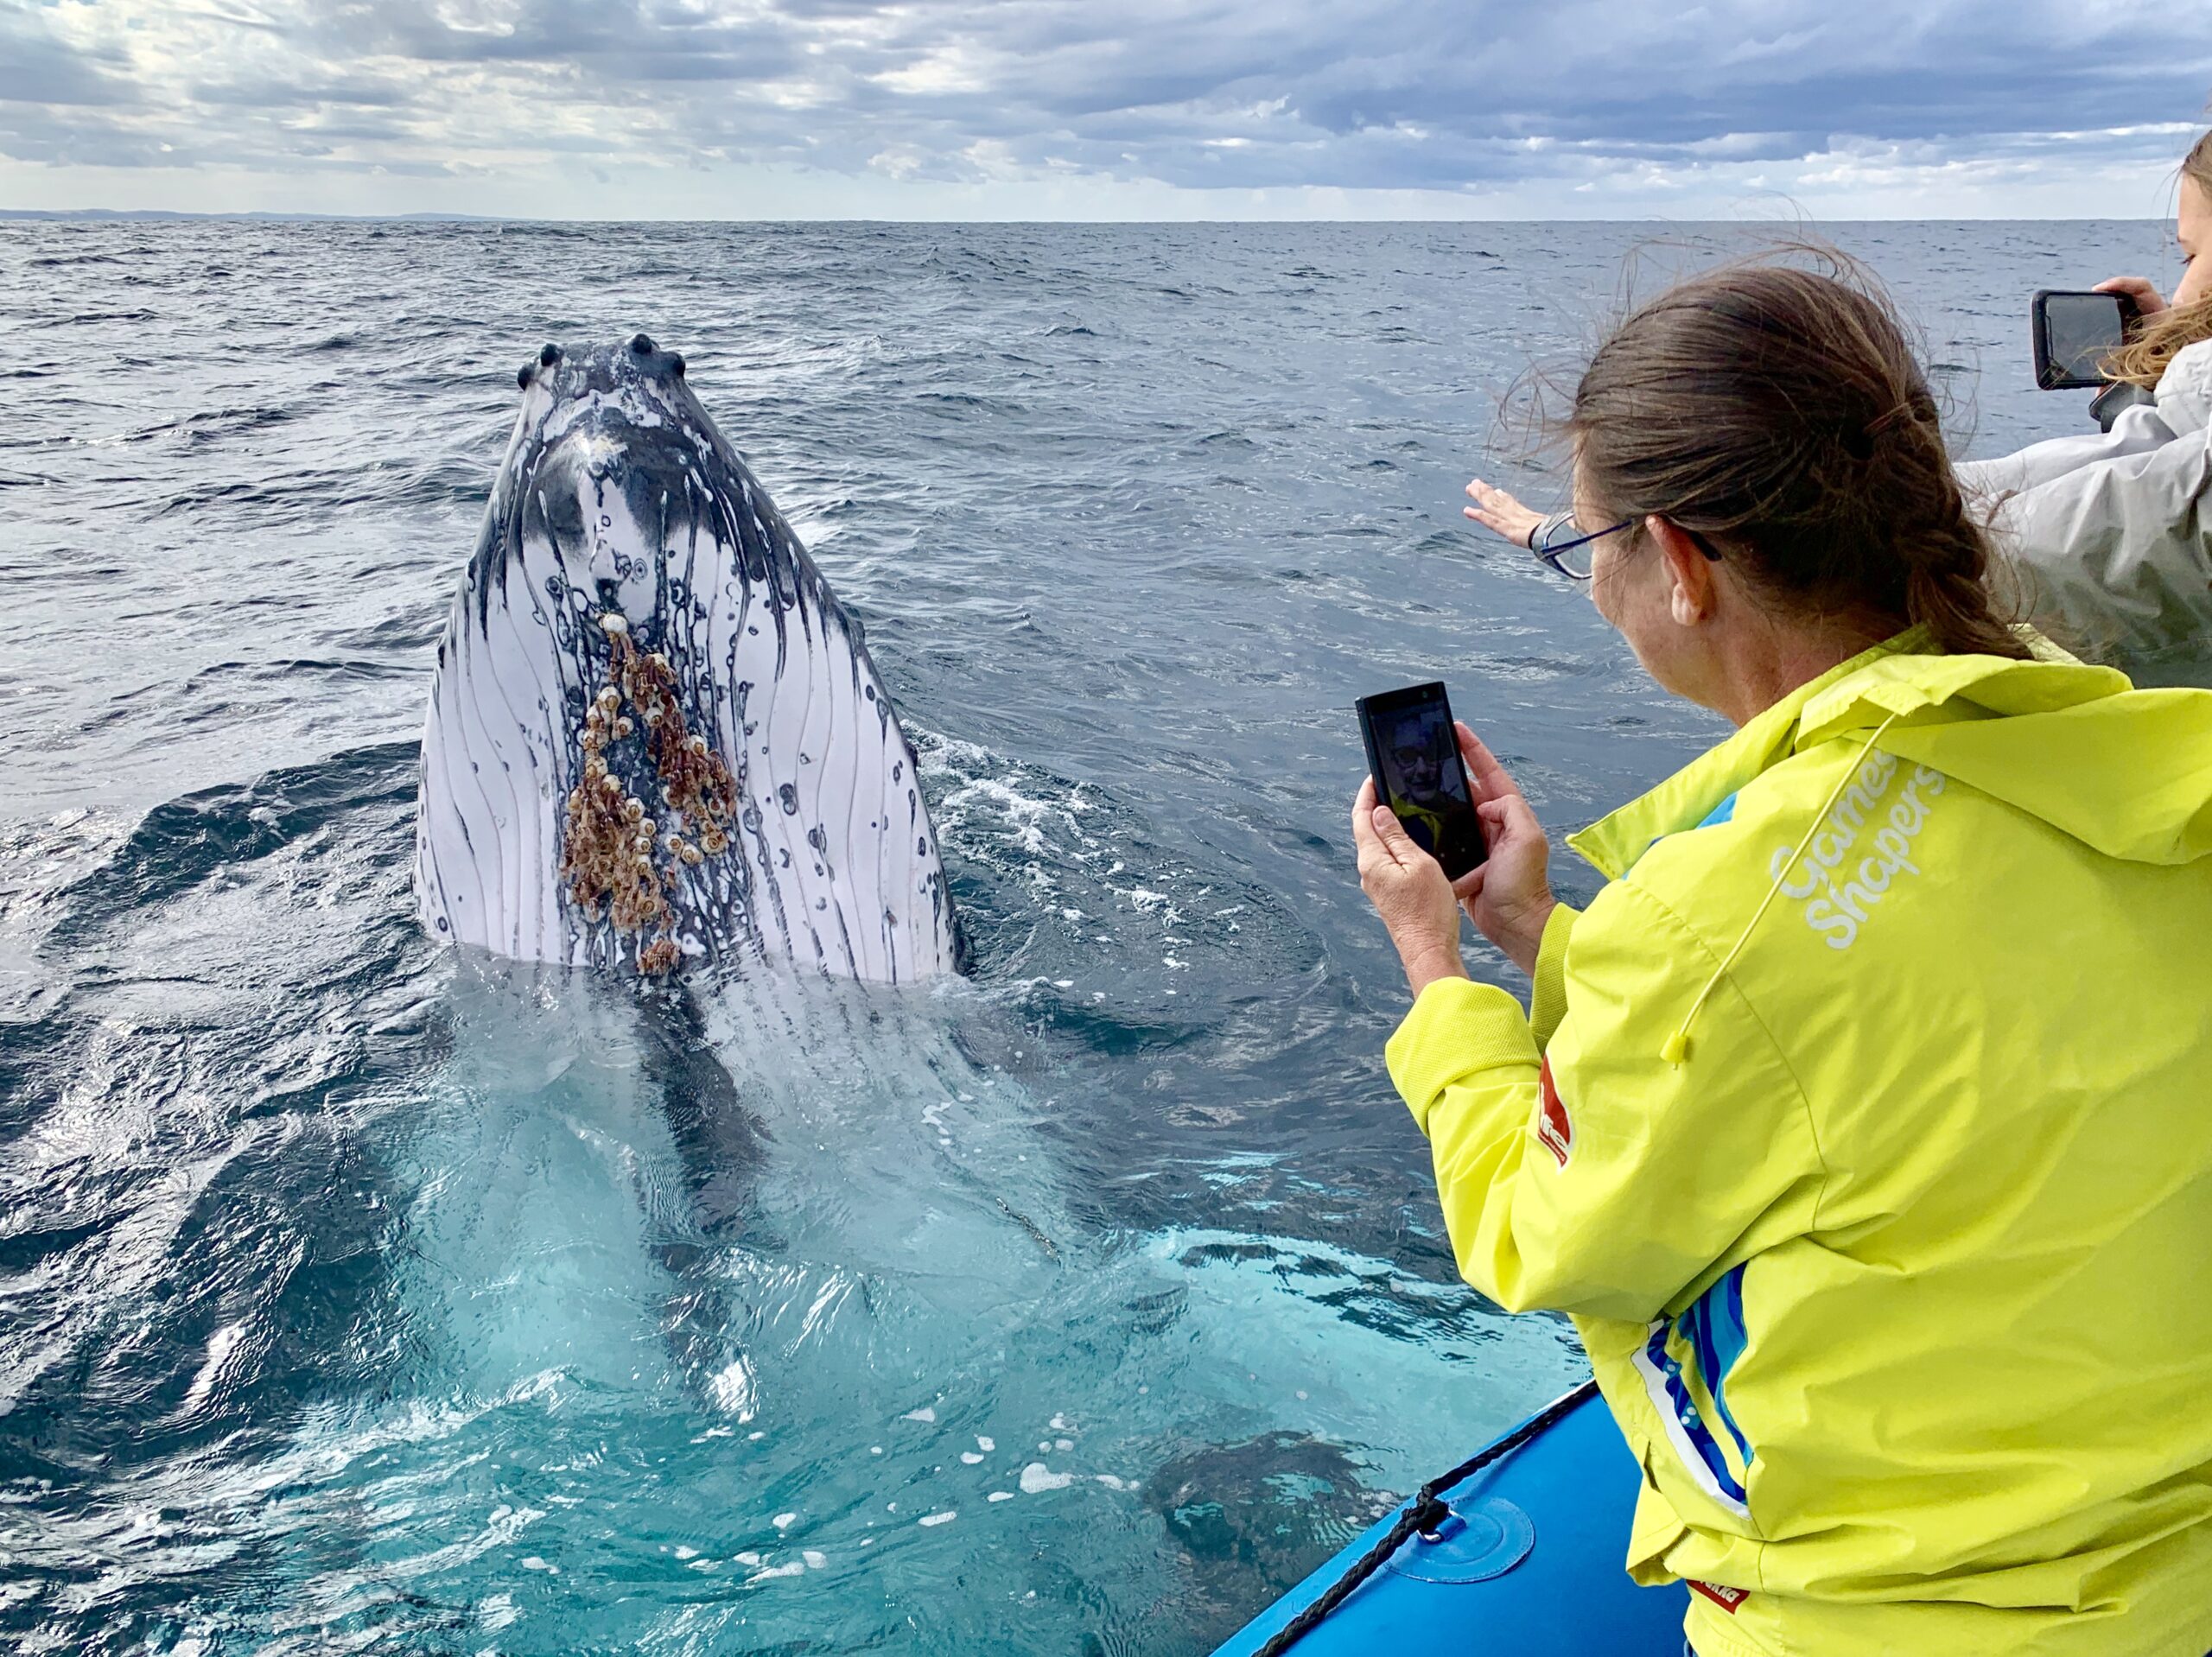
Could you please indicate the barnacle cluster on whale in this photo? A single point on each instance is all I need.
(612, 840)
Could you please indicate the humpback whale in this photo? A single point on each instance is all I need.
(655, 738)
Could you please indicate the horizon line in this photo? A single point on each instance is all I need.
(438, 216)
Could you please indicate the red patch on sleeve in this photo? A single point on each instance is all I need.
(1726, 1597)
(1554, 1125)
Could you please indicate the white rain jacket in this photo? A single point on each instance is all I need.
(2112, 531)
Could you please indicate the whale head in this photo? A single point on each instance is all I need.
(655, 737)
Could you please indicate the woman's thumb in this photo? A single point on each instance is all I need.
(1509, 818)
(1390, 831)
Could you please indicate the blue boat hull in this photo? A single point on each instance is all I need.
(1531, 1564)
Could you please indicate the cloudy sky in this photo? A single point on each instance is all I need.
(1102, 109)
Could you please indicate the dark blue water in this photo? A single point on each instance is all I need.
(351, 1295)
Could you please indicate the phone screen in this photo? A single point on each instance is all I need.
(2077, 332)
(1414, 756)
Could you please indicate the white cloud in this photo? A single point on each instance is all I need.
(1019, 108)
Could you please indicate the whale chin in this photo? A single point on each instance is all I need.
(655, 738)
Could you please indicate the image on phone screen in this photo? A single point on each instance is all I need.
(1420, 769)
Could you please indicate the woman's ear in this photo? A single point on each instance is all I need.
(1693, 592)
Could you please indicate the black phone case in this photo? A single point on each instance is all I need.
(1391, 701)
(2052, 376)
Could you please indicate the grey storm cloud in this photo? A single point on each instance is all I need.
(1408, 94)
(37, 69)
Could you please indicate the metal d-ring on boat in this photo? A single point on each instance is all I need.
(1518, 1549)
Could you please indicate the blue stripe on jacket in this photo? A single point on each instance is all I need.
(1714, 1326)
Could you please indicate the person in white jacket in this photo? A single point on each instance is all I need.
(2110, 533)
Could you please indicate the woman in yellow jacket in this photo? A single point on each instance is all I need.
(1864, 1121)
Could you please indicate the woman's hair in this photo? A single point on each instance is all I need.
(1782, 414)
(2142, 361)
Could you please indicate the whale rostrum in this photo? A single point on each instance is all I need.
(655, 738)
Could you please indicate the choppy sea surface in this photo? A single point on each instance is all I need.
(356, 1295)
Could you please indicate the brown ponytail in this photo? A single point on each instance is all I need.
(1782, 414)
(2144, 360)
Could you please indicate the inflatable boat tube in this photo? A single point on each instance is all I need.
(1529, 1560)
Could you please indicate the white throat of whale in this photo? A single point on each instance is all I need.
(655, 737)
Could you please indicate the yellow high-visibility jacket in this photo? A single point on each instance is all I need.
(1885, 1212)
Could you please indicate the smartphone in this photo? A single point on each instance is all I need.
(1412, 754)
(2074, 333)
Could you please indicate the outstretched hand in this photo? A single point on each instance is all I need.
(1497, 510)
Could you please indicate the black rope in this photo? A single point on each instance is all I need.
(1425, 1512)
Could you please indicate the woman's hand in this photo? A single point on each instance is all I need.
(2149, 301)
(1509, 897)
(1408, 890)
(1497, 510)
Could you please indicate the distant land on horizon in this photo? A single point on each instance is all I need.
(171, 212)
(266, 215)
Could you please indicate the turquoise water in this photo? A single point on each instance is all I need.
(355, 1295)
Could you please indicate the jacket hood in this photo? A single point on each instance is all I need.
(2184, 393)
(2126, 772)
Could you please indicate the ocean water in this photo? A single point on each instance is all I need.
(354, 1295)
